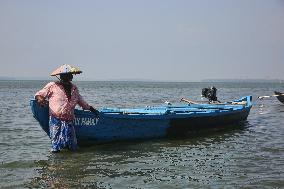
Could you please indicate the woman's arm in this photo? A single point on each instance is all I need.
(44, 93)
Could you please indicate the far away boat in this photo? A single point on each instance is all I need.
(279, 96)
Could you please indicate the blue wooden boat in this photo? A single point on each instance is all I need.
(113, 124)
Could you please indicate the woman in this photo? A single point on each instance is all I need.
(63, 96)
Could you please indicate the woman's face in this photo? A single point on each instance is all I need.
(66, 77)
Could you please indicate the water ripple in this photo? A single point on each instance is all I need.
(250, 156)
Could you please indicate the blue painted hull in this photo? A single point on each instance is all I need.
(152, 122)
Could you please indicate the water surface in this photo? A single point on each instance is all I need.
(250, 156)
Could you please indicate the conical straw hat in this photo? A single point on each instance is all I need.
(64, 69)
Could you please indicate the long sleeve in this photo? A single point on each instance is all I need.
(45, 92)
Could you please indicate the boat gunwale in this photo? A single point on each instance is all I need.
(171, 112)
(211, 111)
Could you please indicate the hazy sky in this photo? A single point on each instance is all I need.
(144, 39)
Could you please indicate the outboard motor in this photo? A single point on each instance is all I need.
(210, 93)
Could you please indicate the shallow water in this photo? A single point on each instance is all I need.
(251, 156)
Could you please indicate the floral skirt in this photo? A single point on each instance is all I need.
(62, 134)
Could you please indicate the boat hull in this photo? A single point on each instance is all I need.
(280, 97)
(184, 127)
(154, 122)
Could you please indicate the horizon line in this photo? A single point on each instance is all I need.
(141, 80)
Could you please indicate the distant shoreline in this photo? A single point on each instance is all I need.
(245, 80)
(148, 80)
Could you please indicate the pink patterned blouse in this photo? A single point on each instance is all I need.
(59, 105)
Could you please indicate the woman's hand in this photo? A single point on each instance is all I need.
(41, 100)
(95, 111)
